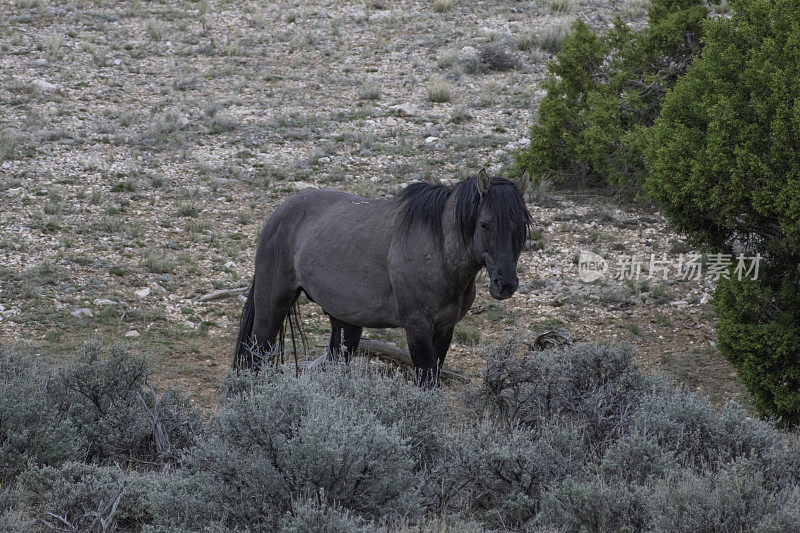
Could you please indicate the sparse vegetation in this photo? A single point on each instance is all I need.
(441, 6)
(138, 160)
(552, 38)
(370, 91)
(559, 6)
(492, 56)
(439, 90)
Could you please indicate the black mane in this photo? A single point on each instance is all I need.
(423, 205)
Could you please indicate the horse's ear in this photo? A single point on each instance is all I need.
(523, 181)
(483, 182)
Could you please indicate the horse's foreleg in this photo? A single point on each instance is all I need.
(441, 343)
(421, 346)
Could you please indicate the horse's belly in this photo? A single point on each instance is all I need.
(355, 301)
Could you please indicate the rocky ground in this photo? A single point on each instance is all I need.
(142, 144)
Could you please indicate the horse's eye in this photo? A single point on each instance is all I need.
(485, 226)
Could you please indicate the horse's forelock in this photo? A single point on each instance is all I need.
(509, 211)
(424, 204)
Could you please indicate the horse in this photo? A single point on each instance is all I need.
(408, 261)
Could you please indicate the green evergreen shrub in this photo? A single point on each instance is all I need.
(604, 90)
(723, 163)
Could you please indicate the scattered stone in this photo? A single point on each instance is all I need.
(156, 288)
(143, 293)
(404, 110)
(132, 334)
(82, 312)
(102, 301)
(44, 86)
(469, 52)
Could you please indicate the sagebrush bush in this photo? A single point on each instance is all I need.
(105, 396)
(591, 388)
(84, 497)
(31, 431)
(604, 90)
(723, 164)
(309, 515)
(573, 439)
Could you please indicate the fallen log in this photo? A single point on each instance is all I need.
(373, 348)
(394, 354)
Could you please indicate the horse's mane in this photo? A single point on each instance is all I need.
(423, 204)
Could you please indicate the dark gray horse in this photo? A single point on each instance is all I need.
(408, 261)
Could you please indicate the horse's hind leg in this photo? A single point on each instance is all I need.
(273, 302)
(346, 344)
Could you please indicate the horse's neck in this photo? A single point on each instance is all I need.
(458, 257)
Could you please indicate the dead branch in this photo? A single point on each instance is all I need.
(222, 293)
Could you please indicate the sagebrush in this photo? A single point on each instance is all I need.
(579, 439)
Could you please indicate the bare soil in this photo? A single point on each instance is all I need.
(142, 145)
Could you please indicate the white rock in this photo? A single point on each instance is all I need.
(44, 86)
(155, 287)
(381, 16)
(680, 303)
(705, 298)
(132, 334)
(82, 312)
(404, 110)
(230, 264)
(143, 293)
(431, 139)
(41, 62)
(469, 51)
(103, 301)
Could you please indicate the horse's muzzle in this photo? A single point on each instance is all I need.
(500, 290)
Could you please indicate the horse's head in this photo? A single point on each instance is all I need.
(500, 230)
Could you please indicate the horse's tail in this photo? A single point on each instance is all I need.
(249, 355)
(243, 356)
(295, 330)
